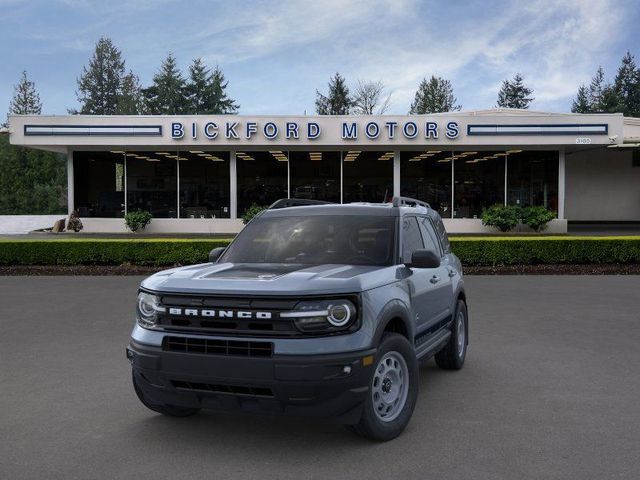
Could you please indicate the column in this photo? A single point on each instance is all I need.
(396, 173)
(70, 192)
(561, 183)
(233, 186)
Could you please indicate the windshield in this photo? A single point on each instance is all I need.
(315, 240)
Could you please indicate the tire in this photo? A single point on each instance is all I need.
(394, 377)
(452, 356)
(169, 410)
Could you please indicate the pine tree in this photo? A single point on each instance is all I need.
(99, 85)
(433, 96)
(514, 93)
(130, 97)
(205, 91)
(596, 88)
(222, 104)
(338, 101)
(26, 100)
(627, 86)
(167, 96)
(581, 104)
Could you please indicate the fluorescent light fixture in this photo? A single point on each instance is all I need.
(140, 157)
(500, 155)
(434, 151)
(514, 151)
(117, 151)
(166, 154)
(444, 160)
(152, 160)
(131, 154)
(196, 151)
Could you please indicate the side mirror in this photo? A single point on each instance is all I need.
(214, 254)
(424, 259)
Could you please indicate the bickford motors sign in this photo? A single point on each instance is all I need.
(291, 130)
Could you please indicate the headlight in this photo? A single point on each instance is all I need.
(323, 316)
(148, 309)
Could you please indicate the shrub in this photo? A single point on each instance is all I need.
(75, 223)
(252, 211)
(159, 252)
(169, 252)
(137, 220)
(502, 217)
(537, 217)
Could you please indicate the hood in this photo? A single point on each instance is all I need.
(270, 279)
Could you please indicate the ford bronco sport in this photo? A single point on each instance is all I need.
(320, 310)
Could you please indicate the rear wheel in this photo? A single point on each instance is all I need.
(170, 410)
(393, 390)
(452, 356)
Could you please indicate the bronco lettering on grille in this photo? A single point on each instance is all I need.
(243, 314)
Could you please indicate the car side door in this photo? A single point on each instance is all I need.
(422, 288)
(442, 286)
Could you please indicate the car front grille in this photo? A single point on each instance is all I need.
(209, 346)
(228, 389)
(182, 322)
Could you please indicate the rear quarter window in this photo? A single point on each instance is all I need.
(442, 233)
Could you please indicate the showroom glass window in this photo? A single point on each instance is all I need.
(426, 175)
(478, 182)
(204, 184)
(152, 183)
(99, 184)
(315, 175)
(367, 176)
(262, 178)
(532, 178)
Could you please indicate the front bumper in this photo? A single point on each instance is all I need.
(331, 386)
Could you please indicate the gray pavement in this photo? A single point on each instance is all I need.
(551, 389)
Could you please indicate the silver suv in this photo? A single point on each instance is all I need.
(320, 310)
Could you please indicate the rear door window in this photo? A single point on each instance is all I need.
(431, 241)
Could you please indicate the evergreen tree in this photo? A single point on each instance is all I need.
(338, 101)
(99, 86)
(206, 91)
(222, 104)
(130, 97)
(596, 88)
(627, 86)
(514, 93)
(433, 96)
(26, 100)
(167, 95)
(581, 104)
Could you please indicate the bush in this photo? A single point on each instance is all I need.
(159, 252)
(252, 211)
(537, 217)
(75, 223)
(502, 217)
(492, 251)
(137, 220)
(169, 252)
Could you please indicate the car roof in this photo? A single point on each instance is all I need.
(364, 209)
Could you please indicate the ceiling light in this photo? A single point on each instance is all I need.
(444, 160)
(196, 151)
(163, 153)
(514, 151)
(117, 151)
(434, 151)
(500, 155)
(140, 157)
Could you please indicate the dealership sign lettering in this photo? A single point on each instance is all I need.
(349, 130)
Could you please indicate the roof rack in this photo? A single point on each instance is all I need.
(295, 202)
(408, 202)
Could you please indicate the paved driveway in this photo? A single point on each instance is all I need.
(551, 389)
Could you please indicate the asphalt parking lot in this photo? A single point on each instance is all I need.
(551, 389)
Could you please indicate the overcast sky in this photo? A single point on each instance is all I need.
(276, 53)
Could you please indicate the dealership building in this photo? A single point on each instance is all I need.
(199, 174)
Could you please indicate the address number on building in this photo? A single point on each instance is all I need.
(583, 141)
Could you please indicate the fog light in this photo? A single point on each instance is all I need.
(346, 369)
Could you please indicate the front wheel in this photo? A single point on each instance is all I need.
(452, 356)
(393, 390)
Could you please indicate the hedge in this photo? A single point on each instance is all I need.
(107, 251)
(162, 252)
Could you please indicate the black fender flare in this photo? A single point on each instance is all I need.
(394, 309)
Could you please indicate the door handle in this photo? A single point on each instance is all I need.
(452, 273)
(435, 279)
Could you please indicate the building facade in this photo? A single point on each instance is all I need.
(200, 174)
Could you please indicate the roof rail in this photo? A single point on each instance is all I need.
(409, 202)
(295, 202)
